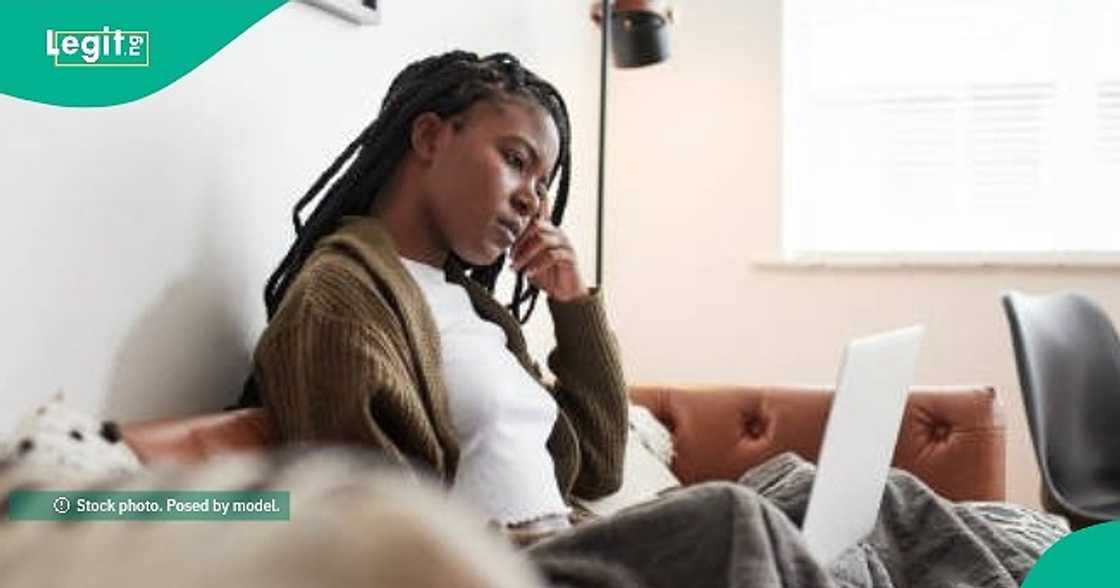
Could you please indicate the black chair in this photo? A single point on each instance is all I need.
(1068, 357)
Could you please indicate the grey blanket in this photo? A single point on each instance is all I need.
(737, 535)
(715, 534)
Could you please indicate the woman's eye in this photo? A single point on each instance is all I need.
(515, 160)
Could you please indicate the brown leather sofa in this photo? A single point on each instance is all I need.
(953, 438)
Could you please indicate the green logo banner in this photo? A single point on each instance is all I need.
(107, 52)
(45, 505)
(1084, 559)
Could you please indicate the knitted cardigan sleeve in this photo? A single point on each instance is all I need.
(330, 371)
(591, 390)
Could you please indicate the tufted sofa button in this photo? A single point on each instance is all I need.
(755, 427)
(940, 431)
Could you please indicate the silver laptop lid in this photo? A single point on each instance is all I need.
(859, 440)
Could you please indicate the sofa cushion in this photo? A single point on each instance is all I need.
(645, 469)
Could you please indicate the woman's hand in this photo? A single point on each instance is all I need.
(544, 252)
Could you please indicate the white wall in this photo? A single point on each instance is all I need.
(695, 197)
(138, 237)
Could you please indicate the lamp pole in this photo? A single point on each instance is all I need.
(605, 26)
(643, 39)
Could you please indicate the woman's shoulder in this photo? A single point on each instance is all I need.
(330, 263)
(335, 284)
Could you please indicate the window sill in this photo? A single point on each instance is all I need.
(917, 261)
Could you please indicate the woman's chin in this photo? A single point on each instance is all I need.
(482, 256)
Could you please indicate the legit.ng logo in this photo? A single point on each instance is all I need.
(104, 48)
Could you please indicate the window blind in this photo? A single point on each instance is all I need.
(948, 126)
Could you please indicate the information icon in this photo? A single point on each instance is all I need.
(62, 505)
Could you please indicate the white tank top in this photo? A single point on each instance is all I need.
(502, 416)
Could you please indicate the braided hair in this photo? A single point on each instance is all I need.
(445, 85)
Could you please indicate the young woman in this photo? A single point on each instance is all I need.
(383, 330)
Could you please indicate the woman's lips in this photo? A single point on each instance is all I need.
(508, 236)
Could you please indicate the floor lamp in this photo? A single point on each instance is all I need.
(640, 33)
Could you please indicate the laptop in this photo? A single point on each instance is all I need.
(859, 440)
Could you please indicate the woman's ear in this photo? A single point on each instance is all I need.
(427, 129)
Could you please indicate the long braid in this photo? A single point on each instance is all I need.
(445, 85)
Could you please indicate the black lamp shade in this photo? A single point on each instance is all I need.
(640, 37)
(640, 33)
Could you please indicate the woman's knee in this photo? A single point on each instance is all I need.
(725, 496)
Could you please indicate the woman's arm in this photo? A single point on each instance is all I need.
(590, 387)
(329, 372)
(591, 390)
(318, 374)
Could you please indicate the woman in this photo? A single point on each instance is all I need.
(382, 328)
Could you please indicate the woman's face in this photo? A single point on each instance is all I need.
(487, 175)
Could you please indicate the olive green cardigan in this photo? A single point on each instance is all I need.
(352, 356)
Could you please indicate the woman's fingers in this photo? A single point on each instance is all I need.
(547, 259)
(540, 236)
(523, 241)
(545, 255)
(542, 218)
(545, 211)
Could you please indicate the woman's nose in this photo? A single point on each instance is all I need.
(525, 203)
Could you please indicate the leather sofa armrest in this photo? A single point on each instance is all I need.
(953, 438)
(197, 438)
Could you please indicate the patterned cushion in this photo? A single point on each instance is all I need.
(58, 438)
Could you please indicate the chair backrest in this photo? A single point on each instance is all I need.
(1068, 358)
